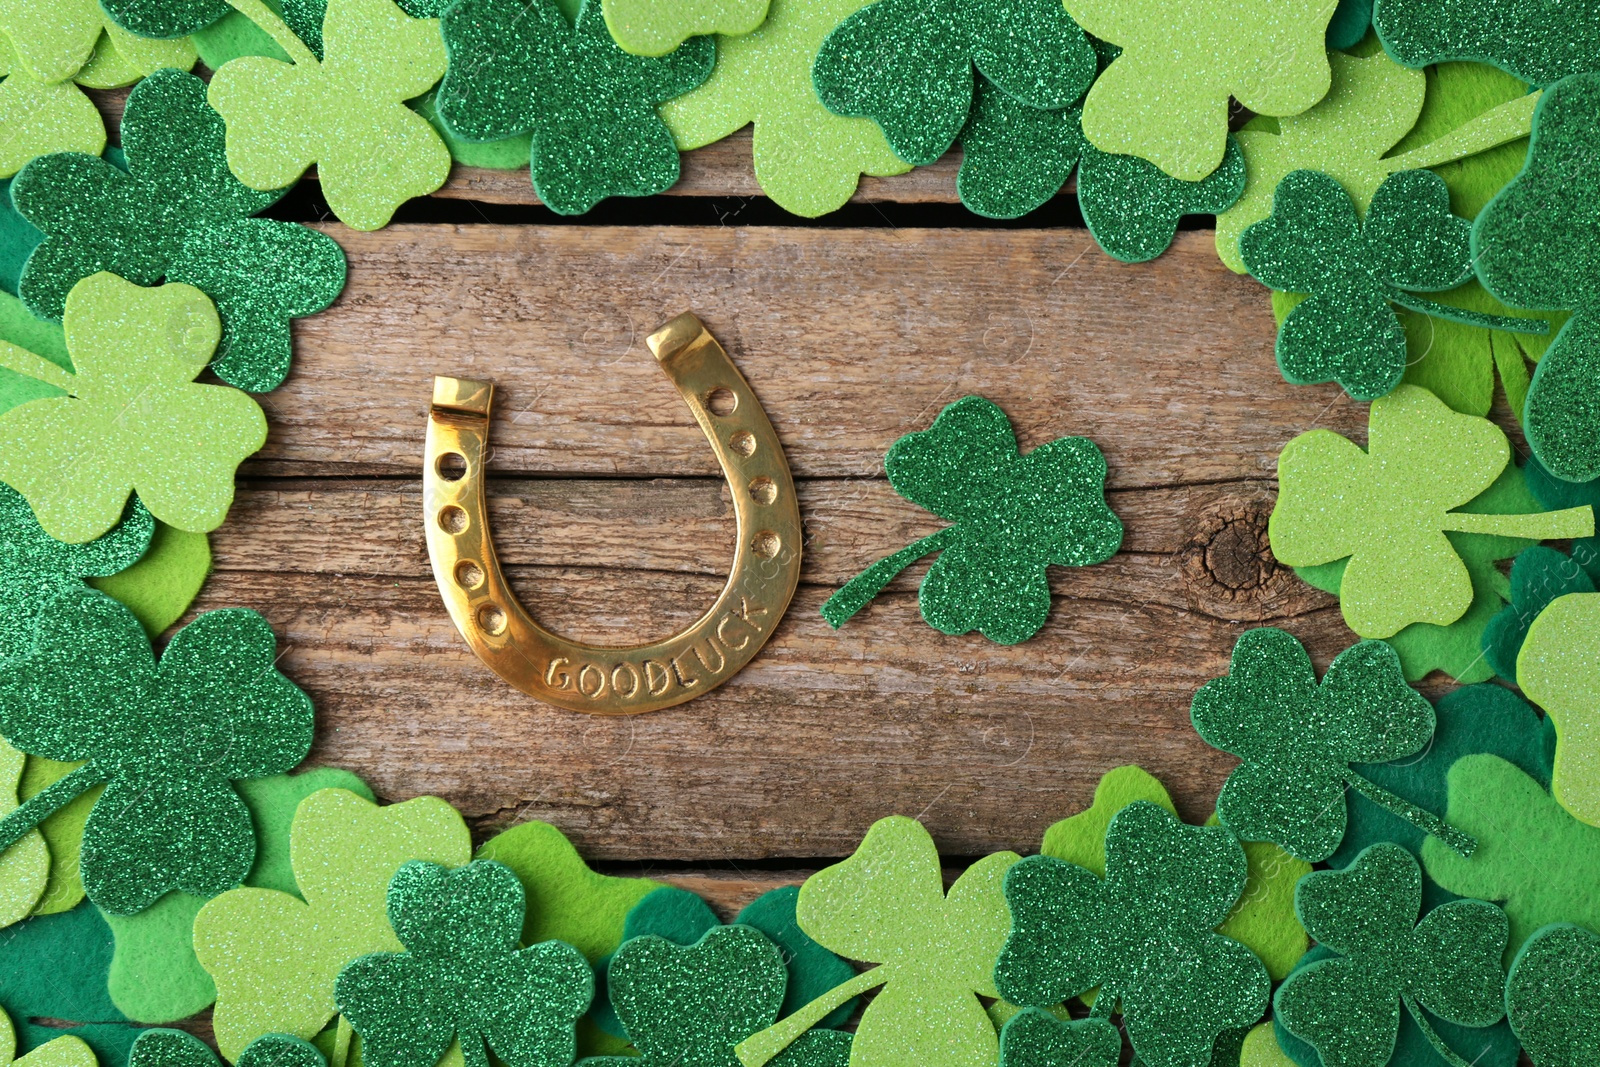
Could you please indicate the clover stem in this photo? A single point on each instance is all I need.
(38, 368)
(268, 20)
(341, 1043)
(1424, 820)
(45, 803)
(1541, 526)
(757, 1049)
(1466, 317)
(1446, 1053)
(1499, 125)
(860, 590)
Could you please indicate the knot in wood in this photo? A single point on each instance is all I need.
(1228, 567)
(1236, 555)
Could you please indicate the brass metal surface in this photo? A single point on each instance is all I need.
(592, 678)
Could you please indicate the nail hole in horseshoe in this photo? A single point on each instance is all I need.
(766, 544)
(452, 520)
(763, 490)
(492, 620)
(452, 466)
(468, 574)
(743, 443)
(721, 402)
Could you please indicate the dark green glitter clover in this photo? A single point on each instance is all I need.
(174, 1048)
(908, 65)
(1538, 576)
(1553, 996)
(1298, 739)
(1013, 516)
(35, 568)
(1145, 935)
(165, 18)
(167, 738)
(178, 214)
(689, 1005)
(1539, 41)
(518, 66)
(1348, 1007)
(1035, 1038)
(462, 976)
(1347, 332)
(1537, 245)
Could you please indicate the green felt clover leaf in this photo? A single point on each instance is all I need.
(1387, 508)
(807, 159)
(462, 976)
(25, 866)
(177, 213)
(1035, 1038)
(1553, 492)
(689, 1005)
(1559, 668)
(53, 39)
(656, 27)
(935, 952)
(1348, 1006)
(167, 738)
(174, 1048)
(1539, 576)
(40, 117)
(1179, 984)
(76, 456)
(1540, 41)
(908, 65)
(1314, 243)
(275, 955)
(1350, 23)
(1165, 98)
(1013, 516)
(1533, 857)
(1537, 245)
(1298, 738)
(518, 67)
(345, 113)
(1553, 996)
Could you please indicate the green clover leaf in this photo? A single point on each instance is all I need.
(167, 738)
(1556, 668)
(177, 213)
(908, 65)
(54, 39)
(1035, 1038)
(1166, 97)
(1537, 245)
(66, 1051)
(1314, 243)
(165, 18)
(935, 952)
(807, 159)
(174, 1048)
(345, 113)
(656, 27)
(462, 976)
(1539, 576)
(1013, 516)
(38, 117)
(1298, 738)
(1348, 1007)
(1178, 982)
(1538, 41)
(132, 418)
(1387, 508)
(591, 107)
(1553, 996)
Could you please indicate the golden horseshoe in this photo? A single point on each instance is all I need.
(618, 681)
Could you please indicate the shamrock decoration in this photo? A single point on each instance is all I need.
(1348, 1007)
(1035, 1038)
(166, 18)
(345, 113)
(1298, 739)
(1347, 332)
(1536, 40)
(67, 1051)
(1539, 576)
(1350, 23)
(462, 976)
(1178, 982)
(656, 27)
(58, 40)
(25, 867)
(1537, 245)
(1553, 492)
(517, 67)
(935, 951)
(908, 65)
(174, 1048)
(1553, 996)
(1165, 98)
(1557, 668)
(1013, 516)
(807, 159)
(132, 418)
(39, 117)
(1387, 508)
(177, 213)
(689, 1005)
(168, 738)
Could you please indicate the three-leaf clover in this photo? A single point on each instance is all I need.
(935, 952)
(1012, 516)
(1354, 270)
(1537, 245)
(1348, 1007)
(1539, 576)
(1553, 996)
(345, 113)
(1538, 41)
(168, 738)
(908, 65)
(1166, 97)
(1557, 668)
(175, 1048)
(177, 213)
(1179, 983)
(656, 27)
(1298, 739)
(806, 158)
(130, 417)
(1387, 508)
(463, 977)
(518, 67)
